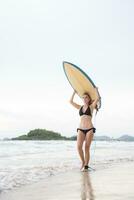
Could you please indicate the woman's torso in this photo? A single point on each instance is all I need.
(86, 117)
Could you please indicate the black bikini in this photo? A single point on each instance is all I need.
(86, 130)
(87, 112)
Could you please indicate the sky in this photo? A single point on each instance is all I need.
(36, 36)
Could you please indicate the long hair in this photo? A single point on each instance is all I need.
(91, 101)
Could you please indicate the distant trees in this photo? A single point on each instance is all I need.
(41, 134)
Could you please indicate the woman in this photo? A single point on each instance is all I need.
(86, 129)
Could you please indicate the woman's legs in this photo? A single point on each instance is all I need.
(88, 140)
(80, 140)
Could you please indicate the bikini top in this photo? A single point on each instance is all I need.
(87, 112)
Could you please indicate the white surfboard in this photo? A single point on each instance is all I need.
(80, 81)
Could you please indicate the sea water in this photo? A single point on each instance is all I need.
(24, 162)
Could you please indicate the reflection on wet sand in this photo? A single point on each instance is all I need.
(86, 187)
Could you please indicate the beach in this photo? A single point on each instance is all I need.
(64, 66)
(49, 170)
(113, 183)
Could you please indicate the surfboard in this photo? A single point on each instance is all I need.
(80, 81)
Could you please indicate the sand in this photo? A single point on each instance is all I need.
(113, 183)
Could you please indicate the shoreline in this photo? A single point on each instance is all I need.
(114, 182)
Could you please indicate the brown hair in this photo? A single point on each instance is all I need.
(91, 101)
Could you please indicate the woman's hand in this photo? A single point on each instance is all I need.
(72, 102)
(99, 97)
(71, 99)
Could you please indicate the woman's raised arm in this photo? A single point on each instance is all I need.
(72, 102)
(96, 100)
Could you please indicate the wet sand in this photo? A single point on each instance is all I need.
(113, 183)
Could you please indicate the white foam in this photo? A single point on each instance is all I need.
(29, 161)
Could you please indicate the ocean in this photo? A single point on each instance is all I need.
(25, 162)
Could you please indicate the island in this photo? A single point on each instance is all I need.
(41, 134)
(44, 134)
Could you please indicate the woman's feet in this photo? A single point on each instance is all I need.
(85, 168)
(82, 166)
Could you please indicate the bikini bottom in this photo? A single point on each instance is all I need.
(86, 130)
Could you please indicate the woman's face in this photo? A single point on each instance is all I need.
(86, 99)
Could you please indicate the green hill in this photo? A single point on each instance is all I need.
(41, 134)
(126, 138)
